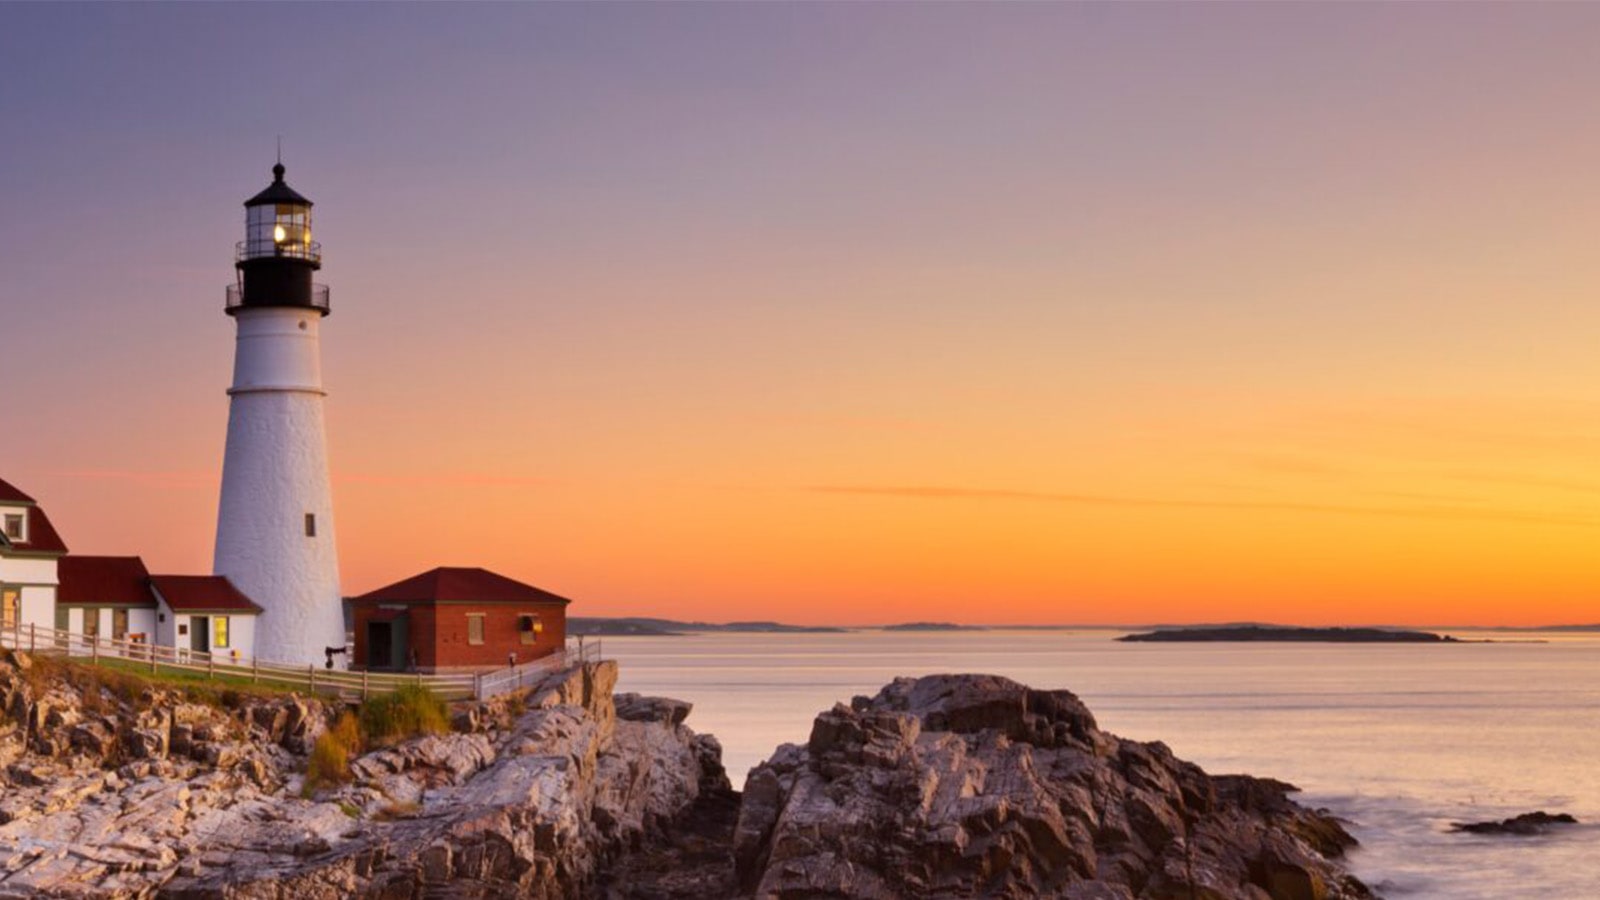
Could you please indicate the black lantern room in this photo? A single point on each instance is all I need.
(277, 256)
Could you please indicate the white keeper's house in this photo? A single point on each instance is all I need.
(29, 549)
(43, 587)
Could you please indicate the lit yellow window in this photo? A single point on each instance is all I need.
(219, 631)
(529, 627)
(10, 607)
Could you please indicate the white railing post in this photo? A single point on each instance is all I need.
(311, 670)
(32, 630)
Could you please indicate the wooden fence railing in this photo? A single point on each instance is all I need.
(502, 681)
(227, 667)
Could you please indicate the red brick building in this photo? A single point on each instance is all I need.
(455, 619)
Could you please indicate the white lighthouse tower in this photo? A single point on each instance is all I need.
(275, 538)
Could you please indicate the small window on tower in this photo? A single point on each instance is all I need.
(311, 524)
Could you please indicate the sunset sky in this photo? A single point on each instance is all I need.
(844, 313)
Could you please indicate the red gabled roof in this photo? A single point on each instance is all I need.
(202, 593)
(104, 580)
(448, 583)
(40, 534)
(11, 494)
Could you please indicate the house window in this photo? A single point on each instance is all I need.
(10, 607)
(475, 628)
(311, 524)
(91, 621)
(14, 523)
(529, 627)
(219, 631)
(119, 624)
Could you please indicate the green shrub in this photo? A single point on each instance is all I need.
(410, 711)
(330, 755)
(516, 705)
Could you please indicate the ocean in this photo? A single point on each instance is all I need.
(1399, 739)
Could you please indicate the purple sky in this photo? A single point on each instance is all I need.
(623, 261)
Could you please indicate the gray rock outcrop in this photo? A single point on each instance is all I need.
(976, 786)
(940, 787)
(111, 797)
(1525, 825)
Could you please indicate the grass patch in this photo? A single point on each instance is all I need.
(185, 678)
(516, 705)
(329, 764)
(410, 711)
(128, 680)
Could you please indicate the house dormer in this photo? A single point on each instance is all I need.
(29, 549)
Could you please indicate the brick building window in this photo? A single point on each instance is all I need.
(475, 628)
(529, 626)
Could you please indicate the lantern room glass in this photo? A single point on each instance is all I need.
(278, 229)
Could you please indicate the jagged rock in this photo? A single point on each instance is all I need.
(206, 805)
(94, 738)
(947, 786)
(635, 708)
(1525, 825)
(970, 785)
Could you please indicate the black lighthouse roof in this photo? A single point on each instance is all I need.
(277, 191)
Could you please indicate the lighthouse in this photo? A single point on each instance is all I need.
(275, 537)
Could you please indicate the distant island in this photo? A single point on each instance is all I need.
(632, 625)
(645, 626)
(1289, 634)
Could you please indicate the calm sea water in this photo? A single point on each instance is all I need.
(1401, 740)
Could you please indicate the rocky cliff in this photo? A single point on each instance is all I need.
(111, 793)
(976, 786)
(947, 786)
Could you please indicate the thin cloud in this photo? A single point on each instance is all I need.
(1440, 512)
(204, 478)
(467, 479)
(179, 479)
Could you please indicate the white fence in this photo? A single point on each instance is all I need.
(156, 658)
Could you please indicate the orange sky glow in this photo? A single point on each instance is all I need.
(1054, 314)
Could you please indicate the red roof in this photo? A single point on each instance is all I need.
(42, 536)
(202, 593)
(11, 494)
(104, 581)
(451, 584)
